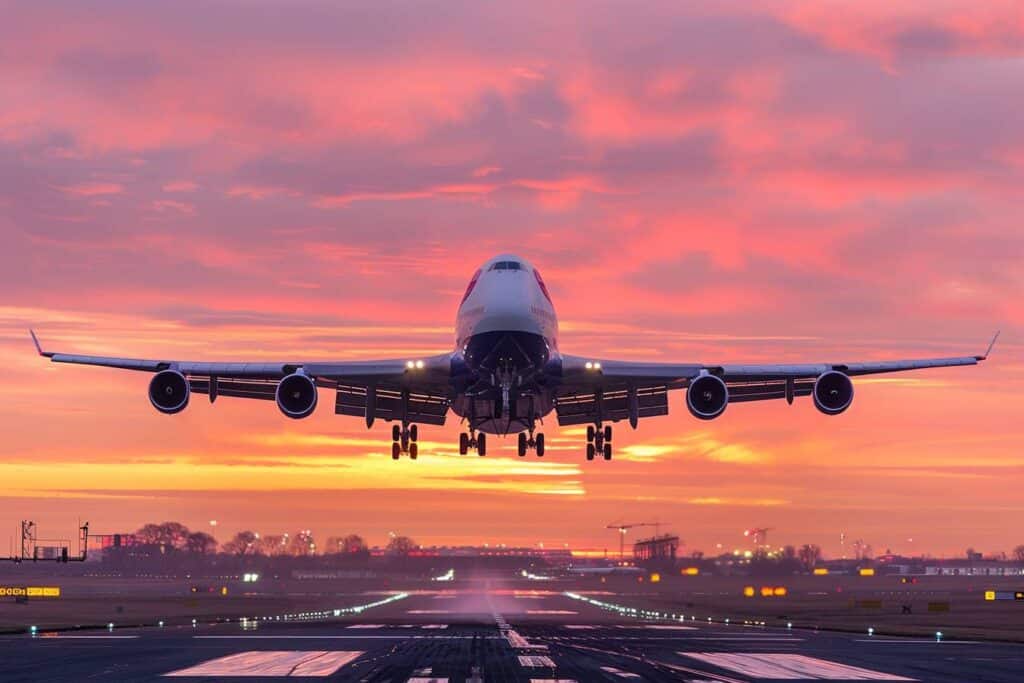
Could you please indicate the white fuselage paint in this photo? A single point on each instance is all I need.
(506, 330)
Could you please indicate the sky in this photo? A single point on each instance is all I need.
(698, 182)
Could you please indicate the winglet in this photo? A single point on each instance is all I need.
(35, 340)
(989, 349)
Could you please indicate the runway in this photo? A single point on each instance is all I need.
(482, 635)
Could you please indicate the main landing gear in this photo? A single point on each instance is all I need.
(599, 441)
(531, 443)
(474, 441)
(403, 440)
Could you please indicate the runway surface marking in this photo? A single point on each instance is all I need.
(619, 672)
(396, 636)
(421, 679)
(272, 663)
(670, 628)
(551, 611)
(429, 611)
(580, 627)
(536, 661)
(789, 667)
(64, 637)
(365, 626)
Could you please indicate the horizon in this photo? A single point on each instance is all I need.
(746, 183)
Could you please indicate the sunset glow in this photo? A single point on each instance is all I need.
(775, 182)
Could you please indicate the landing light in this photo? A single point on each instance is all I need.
(588, 365)
(410, 364)
(419, 365)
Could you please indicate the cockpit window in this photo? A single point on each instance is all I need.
(506, 265)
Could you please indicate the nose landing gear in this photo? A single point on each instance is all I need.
(599, 441)
(403, 440)
(531, 443)
(472, 441)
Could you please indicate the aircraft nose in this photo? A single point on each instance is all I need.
(508, 305)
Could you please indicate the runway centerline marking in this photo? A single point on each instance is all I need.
(318, 663)
(786, 666)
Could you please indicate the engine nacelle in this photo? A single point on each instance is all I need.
(296, 395)
(169, 391)
(833, 392)
(707, 397)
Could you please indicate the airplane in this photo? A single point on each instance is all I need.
(504, 376)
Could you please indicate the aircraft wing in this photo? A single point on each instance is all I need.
(586, 382)
(426, 381)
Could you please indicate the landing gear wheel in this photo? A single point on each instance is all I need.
(590, 433)
(481, 444)
(607, 433)
(414, 450)
(396, 451)
(463, 443)
(396, 433)
(607, 451)
(590, 451)
(414, 432)
(522, 444)
(540, 446)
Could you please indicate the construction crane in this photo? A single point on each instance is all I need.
(759, 535)
(623, 528)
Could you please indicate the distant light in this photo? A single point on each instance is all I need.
(820, 571)
(691, 571)
(160, 624)
(767, 591)
(871, 630)
(655, 577)
(780, 591)
(32, 630)
(789, 624)
(110, 626)
(748, 591)
(867, 571)
(938, 636)
(990, 595)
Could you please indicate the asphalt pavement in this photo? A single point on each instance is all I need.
(496, 635)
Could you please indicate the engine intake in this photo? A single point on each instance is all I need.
(296, 396)
(833, 392)
(169, 391)
(707, 397)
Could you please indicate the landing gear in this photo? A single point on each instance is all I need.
(472, 440)
(599, 441)
(531, 442)
(403, 440)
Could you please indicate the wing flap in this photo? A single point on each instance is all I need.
(582, 407)
(423, 407)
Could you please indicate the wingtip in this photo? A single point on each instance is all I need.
(990, 345)
(39, 349)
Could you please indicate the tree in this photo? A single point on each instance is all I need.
(274, 544)
(200, 543)
(244, 543)
(809, 555)
(401, 545)
(302, 544)
(353, 544)
(1018, 553)
(167, 535)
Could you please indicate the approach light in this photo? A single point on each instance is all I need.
(160, 624)
(871, 630)
(938, 636)
(110, 626)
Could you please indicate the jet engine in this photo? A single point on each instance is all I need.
(833, 392)
(169, 392)
(296, 395)
(707, 397)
